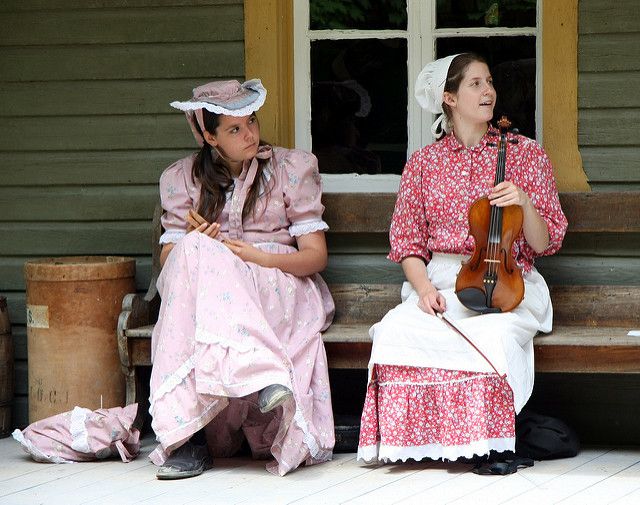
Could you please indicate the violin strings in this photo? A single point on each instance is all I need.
(494, 225)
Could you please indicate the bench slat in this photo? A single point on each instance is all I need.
(365, 304)
(596, 305)
(571, 349)
(610, 212)
(567, 349)
(573, 305)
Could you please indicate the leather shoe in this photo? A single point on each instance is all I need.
(272, 396)
(188, 460)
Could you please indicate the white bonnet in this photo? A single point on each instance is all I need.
(429, 89)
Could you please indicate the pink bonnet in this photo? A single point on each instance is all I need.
(222, 97)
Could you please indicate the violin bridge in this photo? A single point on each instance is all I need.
(487, 260)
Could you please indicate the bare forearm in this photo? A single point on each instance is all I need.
(300, 263)
(430, 300)
(535, 229)
(416, 272)
(310, 258)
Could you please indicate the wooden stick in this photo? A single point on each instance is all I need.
(446, 319)
(195, 219)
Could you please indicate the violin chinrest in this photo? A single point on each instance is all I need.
(475, 299)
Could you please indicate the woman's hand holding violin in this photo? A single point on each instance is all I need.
(507, 193)
(535, 229)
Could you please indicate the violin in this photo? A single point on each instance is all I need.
(491, 281)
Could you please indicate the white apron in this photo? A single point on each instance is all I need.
(407, 336)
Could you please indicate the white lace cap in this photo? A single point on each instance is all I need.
(429, 89)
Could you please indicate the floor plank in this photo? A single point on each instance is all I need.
(429, 476)
(598, 475)
(528, 478)
(615, 487)
(561, 487)
(630, 499)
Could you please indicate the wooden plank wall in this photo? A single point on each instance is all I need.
(608, 93)
(87, 129)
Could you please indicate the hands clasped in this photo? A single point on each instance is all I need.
(198, 223)
(243, 250)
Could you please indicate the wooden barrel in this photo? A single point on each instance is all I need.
(6, 369)
(73, 304)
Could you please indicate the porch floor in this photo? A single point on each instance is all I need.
(596, 476)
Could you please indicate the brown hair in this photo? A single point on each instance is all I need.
(457, 71)
(216, 179)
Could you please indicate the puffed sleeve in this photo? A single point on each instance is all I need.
(408, 234)
(175, 200)
(540, 185)
(302, 193)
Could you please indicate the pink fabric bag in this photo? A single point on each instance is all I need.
(82, 435)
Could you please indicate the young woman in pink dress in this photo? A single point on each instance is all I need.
(430, 393)
(237, 351)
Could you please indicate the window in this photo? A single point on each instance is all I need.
(356, 62)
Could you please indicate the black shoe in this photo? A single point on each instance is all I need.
(188, 460)
(505, 467)
(273, 396)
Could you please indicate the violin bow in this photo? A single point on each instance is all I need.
(451, 323)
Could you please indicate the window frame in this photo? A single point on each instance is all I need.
(268, 40)
(421, 36)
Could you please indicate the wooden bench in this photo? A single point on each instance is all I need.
(591, 322)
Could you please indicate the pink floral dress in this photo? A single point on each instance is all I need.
(227, 328)
(430, 394)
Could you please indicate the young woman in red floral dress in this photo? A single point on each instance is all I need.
(430, 393)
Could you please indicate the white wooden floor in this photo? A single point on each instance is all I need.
(596, 476)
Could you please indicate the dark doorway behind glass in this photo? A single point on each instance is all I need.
(358, 14)
(485, 13)
(359, 105)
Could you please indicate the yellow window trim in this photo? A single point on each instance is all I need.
(269, 56)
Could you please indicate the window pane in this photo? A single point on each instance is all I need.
(358, 14)
(512, 61)
(475, 13)
(359, 105)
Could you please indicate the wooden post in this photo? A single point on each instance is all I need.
(560, 93)
(268, 56)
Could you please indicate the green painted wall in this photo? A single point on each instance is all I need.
(609, 93)
(86, 129)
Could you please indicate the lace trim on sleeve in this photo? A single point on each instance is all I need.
(171, 236)
(310, 226)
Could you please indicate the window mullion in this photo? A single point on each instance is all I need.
(485, 32)
(428, 29)
(356, 34)
(414, 65)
